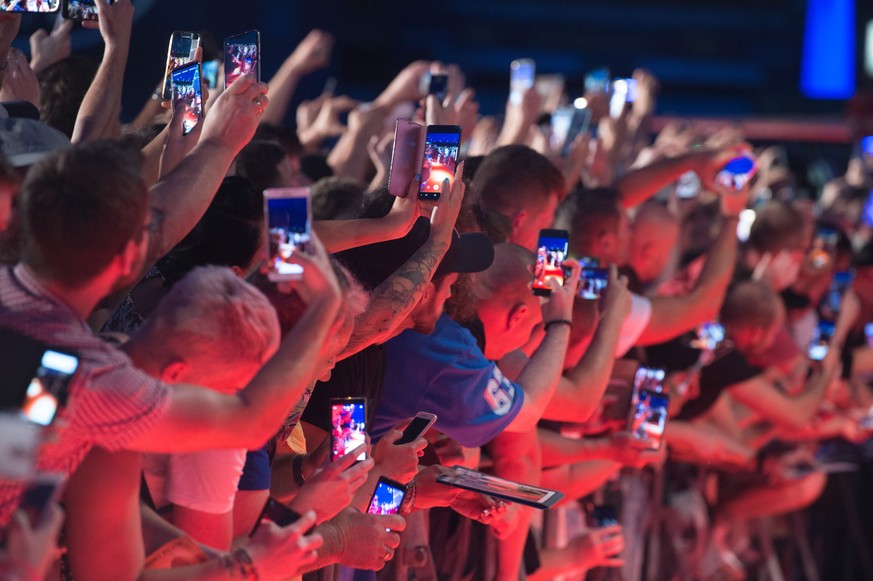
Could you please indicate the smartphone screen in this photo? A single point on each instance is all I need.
(287, 213)
(867, 145)
(522, 76)
(592, 281)
(649, 418)
(39, 492)
(387, 497)
(441, 147)
(597, 81)
(709, 336)
(348, 423)
(81, 9)
(737, 172)
(242, 56)
(404, 157)
(438, 86)
(183, 46)
(47, 391)
(824, 247)
(29, 5)
(187, 91)
(419, 425)
(604, 515)
(552, 249)
(688, 186)
(209, 71)
(647, 379)
(821, 338)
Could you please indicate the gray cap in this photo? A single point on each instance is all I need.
(24, 141)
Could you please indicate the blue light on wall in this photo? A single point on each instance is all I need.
(828, 67)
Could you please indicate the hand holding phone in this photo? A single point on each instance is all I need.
(387, 497)
(420, 424)
(522, 76)
(348, 425)
(442, 146)
(552, 249)
(737, 173)
(649, 419)
(182, 50)
(29, 5)
(81, 10)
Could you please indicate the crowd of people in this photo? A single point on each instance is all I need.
(675, 417)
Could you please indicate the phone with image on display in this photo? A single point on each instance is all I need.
(387, 497)
(442, 145)
(688, 186)
(623, 91)
(592, 282)
(183, 49)
(188, 92)
(552, 248)
(242, 56)
(348, 426)
(737, 173)
(824, 247)
(648, 419)
(821, 339)
(647, 379)
(288, 216)
(80, 10)
(708, 336)
(209, 72)
(29, 5)
(522, 76)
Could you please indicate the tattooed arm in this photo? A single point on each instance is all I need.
(394, 299)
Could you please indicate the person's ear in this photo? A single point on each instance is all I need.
(174, 371)
(237, 271)
(128, 259)
(516, 315)
(519, 220)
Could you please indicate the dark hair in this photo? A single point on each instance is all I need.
(62, 88)
(229, 233)
(514, 177)
(749, 304)
(588, 214)
(285, 137)
(259, 162)
(78, 208)
(337, 198)
(315, 166)
(777, 225)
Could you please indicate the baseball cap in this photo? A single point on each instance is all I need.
(24, 141)
(374, 263)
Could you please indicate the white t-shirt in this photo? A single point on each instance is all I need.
(204, 481)
(634, 324)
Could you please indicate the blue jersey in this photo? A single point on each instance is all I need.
(446, 373)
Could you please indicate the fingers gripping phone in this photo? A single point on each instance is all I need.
(552, 249)
(442, 143)
(242, 56)
(348, 426)
(183, 48)
(438, 86)
(387, 497)
(288, 215)
(188, 91)
(418, 426)
(80, 10)
(279, 514)
(737, 173)
(29, 5)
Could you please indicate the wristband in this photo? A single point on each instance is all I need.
(297, 469)
(559, 322)
(408, 500)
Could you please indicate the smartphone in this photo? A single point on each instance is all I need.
(439, 86)
(604, 515)
(522, 76)
(867, 145)
(647, 379)
(821, 338)
(288, 214)
(737, 173)
(242, 56)
(419, 425)
(868, 334)
(404, 157)
(348, 426)
(567, 124)
(867, 212)
(649, 419)
(183, 47)
(442, 144)
(18, 446)
(209, 71)
(623, 91)
(279, 514)
(688, 186)
(824, 247)
(709, 336)
(597, 81)
(839, 285)
(80, 10)
(552, 249)
(29, 5)
(387, 497)
(188, 91)
(592, 282)
(40, 492)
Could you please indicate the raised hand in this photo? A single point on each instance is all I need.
(398, 462)
(47, 49)
(312, 53)
(368, 540)
(236, 113)
(20, 83)
(331, 489)
(600, 547)
(114, 21)
(559, 305)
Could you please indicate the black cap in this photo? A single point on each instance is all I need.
(374, 263)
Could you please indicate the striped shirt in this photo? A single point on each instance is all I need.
(110, 401)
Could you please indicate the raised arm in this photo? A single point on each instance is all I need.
(311, 54)
(339, 235)
(98, 115)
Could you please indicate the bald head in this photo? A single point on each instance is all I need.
(654, 234)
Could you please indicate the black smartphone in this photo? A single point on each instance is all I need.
(279, 514)
(188, 91)
(348, 426)
(387, 497)
(442, 144)
(438, 86)
(592, 282)
(36, 377)
(29, 5)
(183, 47)
(39, 493)
(604, 515)
(288, 213)
(80, 10)
(419, 425)
(648, 419)
(821, 339)
(242, 56)
(552, 249)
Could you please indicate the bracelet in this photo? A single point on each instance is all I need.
(297, 469)
(559, 322)
(239, 564)
(408, 500)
